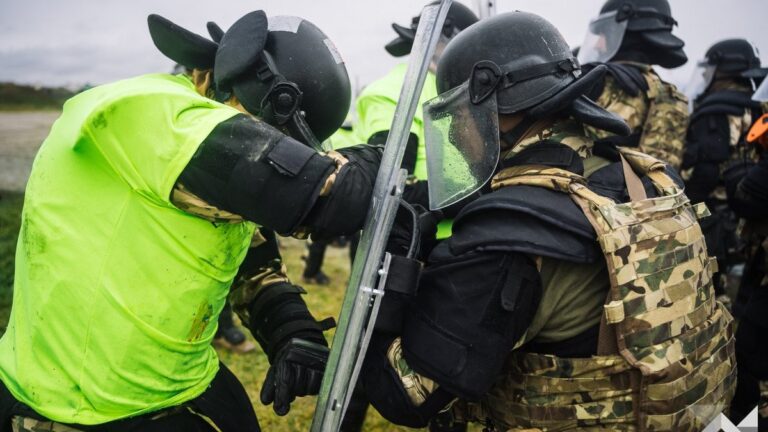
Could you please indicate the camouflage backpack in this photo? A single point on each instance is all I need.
(666, 354)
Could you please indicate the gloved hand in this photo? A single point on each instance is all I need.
(297, 370)
(401, 237)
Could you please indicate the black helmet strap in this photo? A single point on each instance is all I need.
(281, 105)
(487, 76)
(627, 11)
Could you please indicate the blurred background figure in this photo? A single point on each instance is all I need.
(721, 93)
(747, 188)
(376, 104)
(631, 37)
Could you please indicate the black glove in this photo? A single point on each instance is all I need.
(296, 371)
(401, 238)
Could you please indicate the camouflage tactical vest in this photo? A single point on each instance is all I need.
(666, 355)
(659, 117)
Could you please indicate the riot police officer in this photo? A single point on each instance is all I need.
(148, 198)
(722, 89)
(630, 37)
(577, 292)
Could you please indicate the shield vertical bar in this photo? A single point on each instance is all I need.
(362, 296)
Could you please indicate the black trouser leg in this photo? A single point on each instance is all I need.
(225, 319)
(316, 254)
(354, 418)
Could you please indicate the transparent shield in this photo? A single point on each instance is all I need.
(603, 39)
(761, 94)
(700, 79)
(462, 141)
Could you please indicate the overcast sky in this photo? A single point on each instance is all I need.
(70, 42)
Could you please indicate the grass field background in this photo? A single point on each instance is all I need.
(251, 368)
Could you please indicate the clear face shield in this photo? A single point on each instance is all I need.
(603, 39)
(462, 142)
(700, 80)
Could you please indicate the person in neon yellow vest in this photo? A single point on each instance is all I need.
(376, 104)
(147, 200)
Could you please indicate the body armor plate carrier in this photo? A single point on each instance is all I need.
(666, 354)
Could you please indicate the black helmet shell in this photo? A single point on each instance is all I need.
(459, 17)
(301, 53)
(735, 57)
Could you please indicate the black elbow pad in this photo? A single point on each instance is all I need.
(459, 332)
(251, 169)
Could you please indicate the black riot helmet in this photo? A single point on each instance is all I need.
(459, 17)
(735, 58)
(283, 69)
(513, 63)
(634, 30)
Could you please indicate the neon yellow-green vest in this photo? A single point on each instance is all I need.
(116, 291)
(376, 108)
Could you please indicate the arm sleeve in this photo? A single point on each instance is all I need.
(470, 312)
(707, 147)
(748, 195)
(266, 301)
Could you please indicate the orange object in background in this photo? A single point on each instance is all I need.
(759, 132)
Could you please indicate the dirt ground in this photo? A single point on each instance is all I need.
(21, 134)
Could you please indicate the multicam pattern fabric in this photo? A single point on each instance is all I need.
(247, 286)
(660, 116)
(417, 386)
(190, 203)
(26, 424)
(568, 132)
(674, 368)
(763, 407)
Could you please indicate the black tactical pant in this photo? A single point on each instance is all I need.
(225, 403)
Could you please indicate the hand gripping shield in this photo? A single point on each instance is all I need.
(604, 37)
(363, 297)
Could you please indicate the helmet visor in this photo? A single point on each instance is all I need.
(603, 39)
(462, 140)
(761, 95)
(702, 77)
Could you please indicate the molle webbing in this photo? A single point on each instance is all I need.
(666, 123)
(673, 364)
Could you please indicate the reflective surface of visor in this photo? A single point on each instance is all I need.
(603, 39)
(761, 95)
(462, 141)
(700, 80)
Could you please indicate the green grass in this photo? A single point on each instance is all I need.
(10, 219)
(251, 368)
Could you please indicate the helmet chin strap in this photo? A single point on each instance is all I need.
(518, 132)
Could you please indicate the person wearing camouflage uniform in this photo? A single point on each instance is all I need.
(574, 294)
(722, 90)
(630, 37)
(155, 198)
(746, 183)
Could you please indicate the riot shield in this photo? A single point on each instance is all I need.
(365, 288)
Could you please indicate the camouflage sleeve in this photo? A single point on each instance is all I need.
(188, 202)
(418, 387)
(262, 267)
